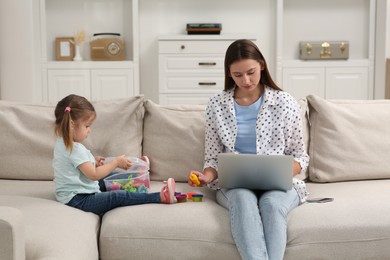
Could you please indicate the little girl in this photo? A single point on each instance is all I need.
(77, 172)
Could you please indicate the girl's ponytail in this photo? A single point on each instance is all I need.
(66, 128)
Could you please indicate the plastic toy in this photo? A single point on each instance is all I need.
(136, 182)
(197, 197)
(114, 187)
(142, 189)
(194, 179)
(189, 194)
(181, 198)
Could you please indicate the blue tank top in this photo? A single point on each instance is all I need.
(246, 117)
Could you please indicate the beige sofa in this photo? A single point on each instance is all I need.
(349, 145)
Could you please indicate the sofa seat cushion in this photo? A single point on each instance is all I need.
(356, 225)
(196, 230)
(36, 189)
(56, 231)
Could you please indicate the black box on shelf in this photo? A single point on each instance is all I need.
(204, 28)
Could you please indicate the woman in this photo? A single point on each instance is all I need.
(253, 115)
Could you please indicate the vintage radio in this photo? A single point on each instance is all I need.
(332, 50)
(107, 47)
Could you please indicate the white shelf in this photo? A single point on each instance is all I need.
(325, 63)
(66, 18)
(90, 65)
(202, 37)
(331, 20)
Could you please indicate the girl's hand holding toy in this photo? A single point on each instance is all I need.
(99, 160)
(123, 162)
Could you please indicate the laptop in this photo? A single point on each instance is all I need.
(256, 172)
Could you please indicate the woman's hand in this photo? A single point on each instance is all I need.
(297, 168)
(209, 174)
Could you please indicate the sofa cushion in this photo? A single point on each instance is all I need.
(27, 135)
(12, 234)
(118, 127)
(305, 127)
(349, 139)
(354, 226)
(56, 231)
(195, 230)
(173, 140)
(30, 188)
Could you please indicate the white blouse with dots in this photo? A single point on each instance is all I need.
(278, 130)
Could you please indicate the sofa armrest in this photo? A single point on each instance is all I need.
(12, 242)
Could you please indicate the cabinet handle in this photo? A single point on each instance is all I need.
(207, 63)
(207, 83)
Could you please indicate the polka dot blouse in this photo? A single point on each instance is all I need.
(278, 130)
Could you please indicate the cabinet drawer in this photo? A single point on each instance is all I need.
(191, 84)
(193, 63)
(188, 47)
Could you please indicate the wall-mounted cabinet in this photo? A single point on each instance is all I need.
(94, 79)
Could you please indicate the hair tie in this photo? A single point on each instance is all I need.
(67, 109)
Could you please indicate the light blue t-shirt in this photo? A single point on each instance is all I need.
(68, 179)
(246, 117)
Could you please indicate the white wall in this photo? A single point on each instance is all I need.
(18, 52)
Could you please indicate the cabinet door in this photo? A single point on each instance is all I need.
(300, 82)
(347, 83)
(64, 82)
(112, 84)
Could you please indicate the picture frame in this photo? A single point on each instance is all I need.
(65, 48)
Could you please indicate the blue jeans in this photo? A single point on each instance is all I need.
(258, 220)
(101, 202)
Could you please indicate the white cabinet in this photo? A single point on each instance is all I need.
(329, 82)
(96, 80)
(191, 67)
(94, 84)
